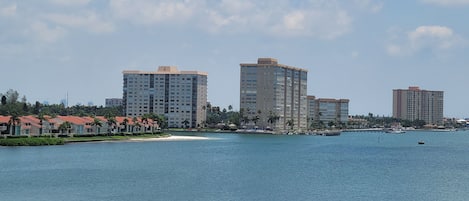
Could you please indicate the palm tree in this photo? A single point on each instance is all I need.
(41, 122)
(65, 126)
(134, 121)
(185, 122)
(126, 122)
(255, 119)
(290, 123)
(230, 107)
(97, 124)
(272, 119)
(111, 122)
(14, 120)
(145, 121)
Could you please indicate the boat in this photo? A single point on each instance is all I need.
(328, 133)
(421, 142)
(395, 131)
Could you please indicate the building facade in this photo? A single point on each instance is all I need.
(178, 95)
(327, 110)
(268, 90)
(416, 104)
(113, 102)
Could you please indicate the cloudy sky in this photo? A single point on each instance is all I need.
(355, 49)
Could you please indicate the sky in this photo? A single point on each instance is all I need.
(354, 49)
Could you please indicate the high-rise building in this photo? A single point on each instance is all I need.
(269, 89)
(178, 95)
(416, 104)
(113, 102)
(327, 110)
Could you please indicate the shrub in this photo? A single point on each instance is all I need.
(36, 141)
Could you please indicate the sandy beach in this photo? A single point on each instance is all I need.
(170, 138)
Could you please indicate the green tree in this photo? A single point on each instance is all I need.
(272, 119)
(290, 124)
(65, 127)
(97, 124)
(125, 122)
(134, 124)
(186, 123)
(13, 122)
(111, 122)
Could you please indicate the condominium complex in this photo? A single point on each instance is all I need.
(416, 104)
(327, 110)
(269, 89)
(113, 102)
(178, 95)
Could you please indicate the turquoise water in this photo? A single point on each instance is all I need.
(353, 166)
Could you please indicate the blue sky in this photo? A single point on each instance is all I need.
(354, 49)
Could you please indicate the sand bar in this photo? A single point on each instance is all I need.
(170, 138)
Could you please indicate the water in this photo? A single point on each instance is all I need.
(353, 166)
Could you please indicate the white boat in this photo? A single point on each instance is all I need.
(328, 132)
(395, 131)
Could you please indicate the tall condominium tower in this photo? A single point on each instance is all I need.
(179, 95)
(275, 92)
(416, 104)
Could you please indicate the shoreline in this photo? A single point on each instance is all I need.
(61, 141)
(169, 138)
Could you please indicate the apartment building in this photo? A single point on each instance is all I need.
(327, 110)
(178, 95)
(417, 104)
(269, 89)
(113, 102)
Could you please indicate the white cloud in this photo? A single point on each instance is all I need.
(70, 2)
(447, 2)
(151, 12)
(316, 18)
(88, 20)
(326, 24)
(436, 38)
(370, 5)
(46, 34)
(8, 10)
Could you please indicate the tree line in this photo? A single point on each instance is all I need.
(12, 105)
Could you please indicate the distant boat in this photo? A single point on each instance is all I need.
(444, 130)
(421, 142)
(395, 131)
(328, 133)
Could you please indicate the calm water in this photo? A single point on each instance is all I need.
(353, 166)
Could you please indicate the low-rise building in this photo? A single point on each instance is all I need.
(327, 111)
(34, 126)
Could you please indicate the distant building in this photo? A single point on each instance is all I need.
(327, 110)
(181, 96)
(270, 89)
(113, 102)
(416, 104)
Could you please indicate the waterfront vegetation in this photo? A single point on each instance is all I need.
(31, 141)
(47, 139)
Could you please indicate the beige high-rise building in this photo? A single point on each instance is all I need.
(269, 89)
(416, 104)
(178, 95)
